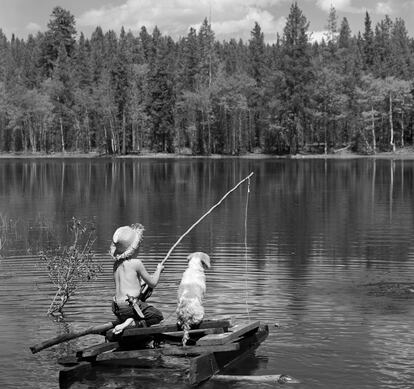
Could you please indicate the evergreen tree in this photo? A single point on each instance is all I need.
(332, 26)
(61, 31)
(147, 44)
(258, 71)
(120, 72)
(135, 48)
(83, 96)
(208, 58)
(368, 43)
(83, 63)
(4, 52)
(344, 39)
(382, 45)
(31, 57)
(298, 76)
(190, 61)
(97, 54)
(257, 55)
(401, 56)
(229, 55)
(162, 95)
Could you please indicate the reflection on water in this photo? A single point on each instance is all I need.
(329, 259)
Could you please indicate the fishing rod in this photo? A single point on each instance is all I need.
(202, 217)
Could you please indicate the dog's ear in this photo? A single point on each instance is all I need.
(203, 257)
(205, 260)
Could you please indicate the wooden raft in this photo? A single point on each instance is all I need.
(214, 346)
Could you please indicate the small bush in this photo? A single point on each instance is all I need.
(68, 267)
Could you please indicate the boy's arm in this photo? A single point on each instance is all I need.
(150, 279)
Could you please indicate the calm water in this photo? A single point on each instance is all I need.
(329, 257)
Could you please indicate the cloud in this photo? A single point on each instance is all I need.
(229, 18)
(317, 36)
(33, 27)
(384, 8)
(339, 5)
(242, 26)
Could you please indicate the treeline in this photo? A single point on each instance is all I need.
(129, 93)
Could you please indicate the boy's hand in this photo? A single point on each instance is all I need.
(160, 267)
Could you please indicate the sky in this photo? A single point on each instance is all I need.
(229, 18)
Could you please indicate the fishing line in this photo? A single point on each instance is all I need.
(245, 248)
(207, 213)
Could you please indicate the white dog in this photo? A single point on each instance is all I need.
(190, 310)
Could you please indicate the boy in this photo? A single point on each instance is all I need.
(128, 272)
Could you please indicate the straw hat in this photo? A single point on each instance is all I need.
(126, 240)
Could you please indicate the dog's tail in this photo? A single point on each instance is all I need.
(186, 336)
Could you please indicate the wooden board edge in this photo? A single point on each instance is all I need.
(68, 375)
(97, 349)
(248, 345)
(202, 368)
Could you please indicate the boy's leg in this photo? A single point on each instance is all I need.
(152, 314)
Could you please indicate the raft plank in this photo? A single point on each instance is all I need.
(97, 349)
(234, 333)
(197, 350)
(157, 329)
(199, 331)
(170, 350)
(202, 368)
(137, 358)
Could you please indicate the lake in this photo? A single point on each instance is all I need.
(324, 256)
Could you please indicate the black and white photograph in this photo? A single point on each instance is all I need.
(207, 193)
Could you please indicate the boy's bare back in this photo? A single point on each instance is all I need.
(127, 281)
(127, 278)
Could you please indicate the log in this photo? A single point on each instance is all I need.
(274, 378)
(98, 329)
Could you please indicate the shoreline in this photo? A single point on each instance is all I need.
(407, 153)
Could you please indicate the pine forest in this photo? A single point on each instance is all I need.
(125, 93)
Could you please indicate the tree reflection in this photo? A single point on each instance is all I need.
(299, 209)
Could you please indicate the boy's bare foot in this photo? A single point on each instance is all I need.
(120, 327)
